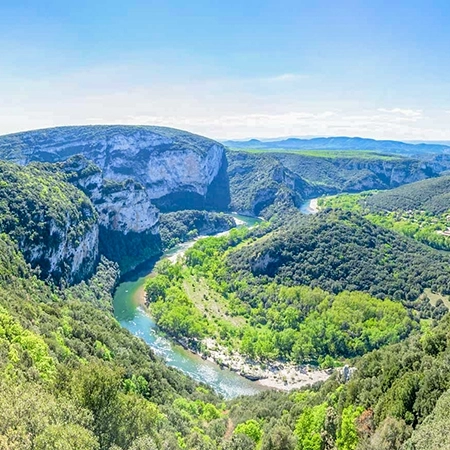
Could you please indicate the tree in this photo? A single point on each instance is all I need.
(144, 443)
(347, 435)
(309, 428)
(390, 435)
(239, 442)
(280, 437)
(251, 428)
(66, 437)
(96, 387)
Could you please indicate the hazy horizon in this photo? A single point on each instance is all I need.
(243, 139)
(229, 71)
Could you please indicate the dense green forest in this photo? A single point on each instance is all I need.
(330, 289)
(70, 375)
(272, 321)
(431, 195)
(341, 250)
(181, 226)
(239, 289)
(384, 404)
(398, 398)
(73, 378)
(419, 210)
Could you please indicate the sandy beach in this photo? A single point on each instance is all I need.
(275, 375)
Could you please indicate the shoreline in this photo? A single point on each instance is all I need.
(278, 375)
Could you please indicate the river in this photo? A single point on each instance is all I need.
(131, 313)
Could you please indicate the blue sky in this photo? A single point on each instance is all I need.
(231, 69)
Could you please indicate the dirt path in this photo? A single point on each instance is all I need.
(229, 432)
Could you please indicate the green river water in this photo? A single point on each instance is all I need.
(128, 309)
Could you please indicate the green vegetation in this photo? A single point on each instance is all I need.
(181, 226)
(428, 195)
(42, 212)
(420, 210)
(341, 154)
(327, 289)
(340, 250)
(130, 249)
(268, 319)
(69, 373)
(397, 396)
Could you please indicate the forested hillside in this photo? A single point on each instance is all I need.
(54, 224)
(398, 398)
(305, 295)
(419, 210)
(270, 315)
(343, 251)
(71, 377)
(432, 196)
(259, 179)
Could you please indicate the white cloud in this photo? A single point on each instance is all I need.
(220, 108)
(409, 113)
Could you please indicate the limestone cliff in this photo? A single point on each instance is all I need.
(258, 179)
(53, 223)
(130, 173)
(177, 169)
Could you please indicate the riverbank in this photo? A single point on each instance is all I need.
(182, 248)
(229, 374)
(274, 375)
(283, 376)
(310, 207)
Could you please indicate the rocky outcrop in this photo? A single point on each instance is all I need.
(68, 259)
(130, 173)
(54, 224)
(177, 169)
(122, 206)
(258, 180)
(126, 216)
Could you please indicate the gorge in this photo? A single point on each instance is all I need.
(82, 207)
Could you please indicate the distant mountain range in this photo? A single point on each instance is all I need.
(342, 143)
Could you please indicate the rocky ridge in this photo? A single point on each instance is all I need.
(54, 224)
(258, 180)
(130, 173)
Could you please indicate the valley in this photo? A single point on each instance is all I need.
(224, 225)
(228, 371)
(130, 311)
(321, 325)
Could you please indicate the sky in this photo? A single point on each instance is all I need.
(229, 69)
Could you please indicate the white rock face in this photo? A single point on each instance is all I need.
(162, 161)
(69, 259)
(127, 210)
(177, 170)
